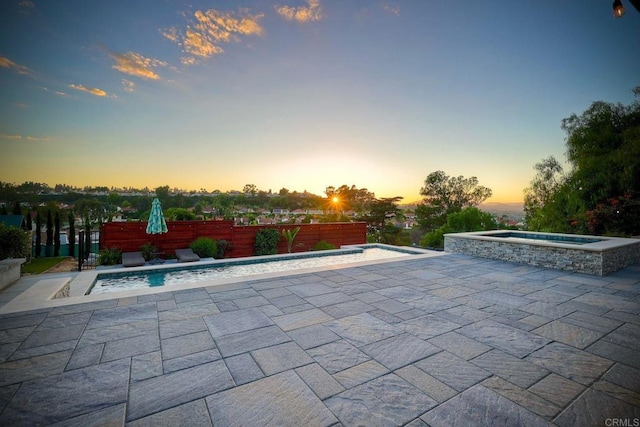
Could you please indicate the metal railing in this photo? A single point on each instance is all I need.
(88, 243)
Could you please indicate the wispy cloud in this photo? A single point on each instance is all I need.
(136, 65)
(128, 85)
(92, 90)
(20, 69)
(393, 9)
(57, 92)
(311, 12)
(205, 34)
(15, 137)
(26, 7)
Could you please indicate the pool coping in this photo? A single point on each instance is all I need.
(40, 294)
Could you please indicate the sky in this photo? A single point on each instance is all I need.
(302, 94)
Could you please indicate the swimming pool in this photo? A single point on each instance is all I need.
(246, 267)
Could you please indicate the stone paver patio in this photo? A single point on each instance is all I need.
(444, 341)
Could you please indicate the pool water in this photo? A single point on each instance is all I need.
(107, 283)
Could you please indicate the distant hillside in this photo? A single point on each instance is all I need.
(503, 208)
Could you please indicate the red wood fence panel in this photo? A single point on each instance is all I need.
(129, 236)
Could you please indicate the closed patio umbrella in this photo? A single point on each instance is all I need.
(157, 224)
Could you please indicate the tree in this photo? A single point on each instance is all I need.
(56, 235)
(381, 210)
(38, 234)
(443, 195)
(17, 210)
(250, 189)
(601, 194)
(468, 219)
(49, 242)
(72, 235)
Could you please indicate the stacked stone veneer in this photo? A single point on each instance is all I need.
(580, 260)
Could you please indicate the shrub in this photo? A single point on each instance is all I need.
(223, 247)
(14, 243)
(290, 235)
(267, 241)
(204, 247)
(434, 239)
(323, 245)
(148, 251)
(110, 256)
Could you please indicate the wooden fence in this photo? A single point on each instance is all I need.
(129, 236)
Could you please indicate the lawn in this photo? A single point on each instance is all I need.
(40, 265)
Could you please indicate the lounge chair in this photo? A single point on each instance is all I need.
(132, 259)
(187, 255)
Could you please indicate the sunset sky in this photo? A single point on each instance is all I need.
(302, 94)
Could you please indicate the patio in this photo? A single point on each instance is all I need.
(442, 341)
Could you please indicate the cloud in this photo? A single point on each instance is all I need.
(29, 138)
(204, 36)
(311, 12)
(127, 85)
(392, 8)
(20, 69)
(92, 90)
(136, 65)
(26, 7)
(57, 92)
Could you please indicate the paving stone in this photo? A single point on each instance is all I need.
(388, 400)
(64, 321)
(522, 397)
(165, 305)
(453, 371)
(426, 383)
(112, 416)
(627, 335)
(312, 336)
(243, 368)
(387, 317)
(296, 308)
(568, 334)
(127, 301)
(166, 391)
(621, 393)
(310, 289)
(460, 345)
(510, 313)
(249, 302)
(577, 365)
(611, 302)
(280, 400)
(407, 315)
(624, 376)
(428, 326)
(78, 388)
(6, 393)
(328, 299)
(282, 357)
(401, 293)
(218, 295)
(119, 315)
(369, 296)
(481, 405)
(118, 332)
(429, 303)
(470, 314)
(503, 298)
(181, 327)
(301, 319)
(592, 321)
(271, 310)
(78, 308)
(337, 356)
(322, 384)
(391, 306)
(84, 356)
(511, 368)
(503, 337)
(52, 336)
(191, 295)
(186, 344)
(451, 292)
(225, 306)
(16, 335)
(594, 408)
(535, 320)
(242, 342)
(352, 307)
(361, 373)
(557, 389)
(145, 366)
(128, 347)
(34, 367)
(45, 349)
(274, 293)
(289, 300)
(623, 317)
(21, 321)
(553, 296)
(236, 321)
(190, 414)
(6, 350)
(400, 350)
(190, 360)
(155, 297)
(362, 329)
(188, 312)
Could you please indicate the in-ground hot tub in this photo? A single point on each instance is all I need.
(586, 254)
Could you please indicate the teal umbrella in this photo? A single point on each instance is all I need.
(156, 224)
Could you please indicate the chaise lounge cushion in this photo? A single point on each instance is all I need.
(187, 255)
(132, 259)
